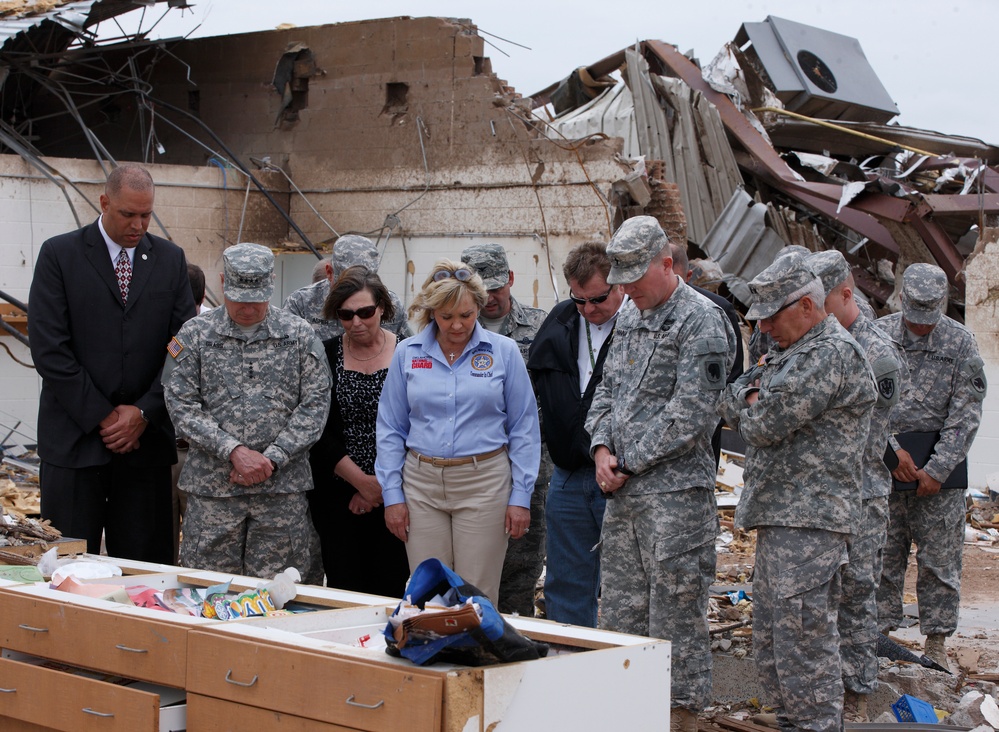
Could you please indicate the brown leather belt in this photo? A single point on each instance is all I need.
(439, 462)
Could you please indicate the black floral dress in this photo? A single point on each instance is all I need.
(359, 552)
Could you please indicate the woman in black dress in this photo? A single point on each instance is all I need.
(359, 552)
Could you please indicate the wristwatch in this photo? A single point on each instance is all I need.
(143, 415)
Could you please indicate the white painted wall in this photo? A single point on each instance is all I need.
(982, 316)
(32, 209)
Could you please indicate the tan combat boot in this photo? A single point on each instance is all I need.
(936, 649)
(682, 720)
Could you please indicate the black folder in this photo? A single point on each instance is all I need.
(920, 446)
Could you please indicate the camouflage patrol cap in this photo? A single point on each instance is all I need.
(633, 247)
(351, 250)
(248, 271)
(489, 262)
(794, 251)
(772, 287)
(924, 293)
(830, 267)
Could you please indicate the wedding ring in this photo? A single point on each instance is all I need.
(526, 530)
(603, 484)
(362, 510)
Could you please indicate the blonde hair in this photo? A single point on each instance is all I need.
(445, 293)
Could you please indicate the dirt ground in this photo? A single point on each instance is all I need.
(976, 642)
(979, 595)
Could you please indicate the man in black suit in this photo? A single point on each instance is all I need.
(104, 303)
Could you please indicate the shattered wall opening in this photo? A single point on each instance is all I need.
(396, 100)
(291, 80)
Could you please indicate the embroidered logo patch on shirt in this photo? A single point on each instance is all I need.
(482, 362)
(422, 363)
(174, 348)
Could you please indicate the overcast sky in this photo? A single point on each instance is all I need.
(936, 58)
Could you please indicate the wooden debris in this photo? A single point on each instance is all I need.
(16, 499)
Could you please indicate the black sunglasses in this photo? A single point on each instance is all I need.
(363, 313)
(462, 275)
(782, 309)
(592, 300)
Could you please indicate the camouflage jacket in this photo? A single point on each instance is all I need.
(522, 324)
(806, 433)
(655, 406)
(946, 389)
(891, 378)
(307, 303)
(270, 392)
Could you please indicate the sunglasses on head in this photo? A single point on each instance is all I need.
(462, 275)
(363, 313)
(592, 300)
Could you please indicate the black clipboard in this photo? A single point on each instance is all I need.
(920, 446)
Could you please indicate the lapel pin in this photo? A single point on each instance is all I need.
(144, 257)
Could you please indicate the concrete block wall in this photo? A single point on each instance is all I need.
(407, 260)
(33, 210)
(982, 316)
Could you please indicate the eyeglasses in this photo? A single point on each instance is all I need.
(462, 275)
(363, 313)
(782, 309)
(592, 300)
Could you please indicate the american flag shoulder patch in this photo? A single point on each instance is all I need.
(174, 348)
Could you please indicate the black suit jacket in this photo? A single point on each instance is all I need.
(93, 352)
(555, 372)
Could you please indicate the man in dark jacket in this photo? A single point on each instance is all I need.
(105, 302)
(566, 361)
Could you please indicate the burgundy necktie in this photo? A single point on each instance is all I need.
(123, 270)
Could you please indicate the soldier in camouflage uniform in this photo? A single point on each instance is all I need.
(525, 557)
(759, 343)
(307, 302)
(248, 386)
(650, 423)
(805, 415)
(858, 611)
(947, 387)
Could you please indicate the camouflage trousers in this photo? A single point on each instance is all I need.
(796, 592)
(858, 608)
(525, 558)
(256, 536)
(936, 525)
(657, 563)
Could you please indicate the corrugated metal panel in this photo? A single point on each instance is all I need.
(741, 242)
(697, 155)
(611, 113)
(67, 14)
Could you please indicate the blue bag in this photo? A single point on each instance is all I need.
(485, 639)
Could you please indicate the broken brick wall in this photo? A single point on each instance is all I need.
(400, 116)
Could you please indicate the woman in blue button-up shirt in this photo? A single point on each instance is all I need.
(458, 438)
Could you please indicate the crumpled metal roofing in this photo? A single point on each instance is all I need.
(72, 15)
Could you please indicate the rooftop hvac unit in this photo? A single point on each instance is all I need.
(816, 72)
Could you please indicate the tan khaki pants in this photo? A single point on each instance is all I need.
(458, 515)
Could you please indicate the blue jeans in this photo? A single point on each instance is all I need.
(574, 515)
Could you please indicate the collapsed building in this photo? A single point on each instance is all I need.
(398, 129)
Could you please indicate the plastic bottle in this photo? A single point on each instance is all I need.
(282, 587)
